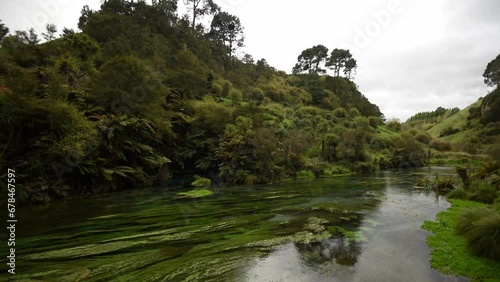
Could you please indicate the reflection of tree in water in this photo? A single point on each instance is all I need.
(342, 250)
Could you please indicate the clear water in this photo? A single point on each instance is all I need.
(339, 229)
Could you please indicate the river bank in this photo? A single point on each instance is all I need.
(449, 253)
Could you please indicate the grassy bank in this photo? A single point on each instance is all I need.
(449, 252)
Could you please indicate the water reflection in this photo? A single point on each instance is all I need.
(388, 245)
(341, 250)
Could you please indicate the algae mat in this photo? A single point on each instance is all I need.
(308, 230)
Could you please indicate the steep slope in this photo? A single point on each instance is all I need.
(458, 121)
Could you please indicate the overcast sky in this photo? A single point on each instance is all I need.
(413, 55)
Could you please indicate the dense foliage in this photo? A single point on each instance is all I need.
(141, 95)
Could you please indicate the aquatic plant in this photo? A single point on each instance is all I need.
(194, 194)
(201, 182)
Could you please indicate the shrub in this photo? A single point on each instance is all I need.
(483, 239)
(448, 131)
(483, 192)
(423, 138)
(364, 167)
(440, 145)
(374, 121)
(457, 193)
(235, 95)
(305, 174)
(226, 88)
(394, 125)
(216, 88)
(340, 112)
(334, 170)
(469, 217)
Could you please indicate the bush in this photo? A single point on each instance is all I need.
(216, 89)
(374, 121)
(440, 145)
(305, 174)
(394, 125)
(469, 217)
(340, 112)
(483, 192)
(483, 239)
(423, 138)
(235, 95)
(457, 193)
(365, 167)
(448, 131)
(334, 170)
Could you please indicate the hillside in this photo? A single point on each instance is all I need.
(456, 121)
(474, 130)
(141, 96)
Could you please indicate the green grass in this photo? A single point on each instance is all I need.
(458, 120)
(449, 253)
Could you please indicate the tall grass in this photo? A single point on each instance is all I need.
(483, 192)
(483, 239)
(457, 193)
(469, 217)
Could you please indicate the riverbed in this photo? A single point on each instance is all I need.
(349, 228)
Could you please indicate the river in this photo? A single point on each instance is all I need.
(351, 228)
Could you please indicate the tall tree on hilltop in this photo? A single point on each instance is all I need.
(29, 37)
(492, 72)
(350, 67)
(3, 31)
(310, 59)
(51, 31)
(338, 59)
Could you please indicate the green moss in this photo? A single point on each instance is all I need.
(194, 194)
(449, 253)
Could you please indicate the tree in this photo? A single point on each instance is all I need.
(51, 31)
(28, 37)
(492, 72)
(235, 153)
(227, 29)
(3, 31)
(310, 59)
(350, 66)
(201, 8)
(338, 59)
(67, 32)
(86, 13)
